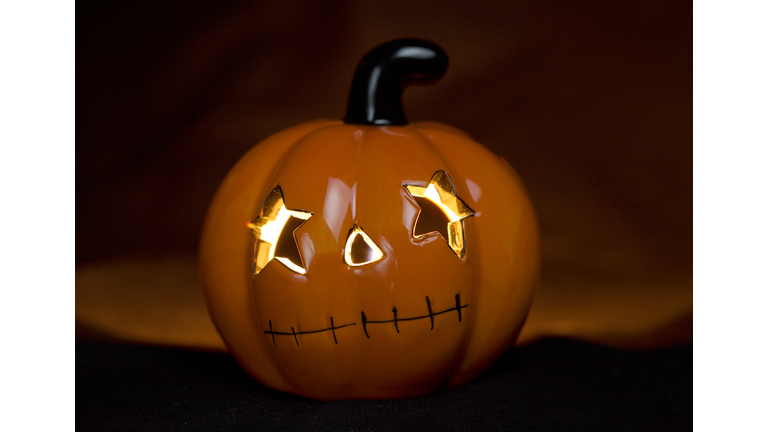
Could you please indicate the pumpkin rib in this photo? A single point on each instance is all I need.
(271, 184)
(475, 292)
(500, 170)
(227, 197)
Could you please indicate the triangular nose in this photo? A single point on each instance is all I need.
(360, 249)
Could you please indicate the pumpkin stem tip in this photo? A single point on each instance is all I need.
(377, 87)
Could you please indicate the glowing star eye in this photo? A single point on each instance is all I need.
(360, 249)
(275, 237)
(441, 211)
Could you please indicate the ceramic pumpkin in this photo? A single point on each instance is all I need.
(370, 257)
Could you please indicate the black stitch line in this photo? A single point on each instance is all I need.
(273, 333)
(434, 314)
(411, 318)
(364, 323)
(431, 318)
(304, 332)
(394, 312)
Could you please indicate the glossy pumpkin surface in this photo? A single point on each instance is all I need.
(424, 309)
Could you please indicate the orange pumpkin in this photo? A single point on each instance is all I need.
(370, 258)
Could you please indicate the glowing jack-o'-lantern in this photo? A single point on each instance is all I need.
(370, 258)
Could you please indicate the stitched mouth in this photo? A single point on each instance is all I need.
(366, 322)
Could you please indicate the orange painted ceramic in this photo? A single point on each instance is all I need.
(420, 319)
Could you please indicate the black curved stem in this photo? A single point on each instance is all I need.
(383, 74)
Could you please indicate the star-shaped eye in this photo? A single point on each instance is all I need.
(441, 211)
(275, 234)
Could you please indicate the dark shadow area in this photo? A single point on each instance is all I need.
(554, 384)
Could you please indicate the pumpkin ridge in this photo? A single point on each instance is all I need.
(477, 254)
(255, 316)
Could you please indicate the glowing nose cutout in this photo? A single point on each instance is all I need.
(360, 249)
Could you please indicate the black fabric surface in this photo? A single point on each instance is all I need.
(550, 385)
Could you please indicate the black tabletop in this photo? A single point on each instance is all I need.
(554, 384)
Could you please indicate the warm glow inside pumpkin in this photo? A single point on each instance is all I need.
(370, 258)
